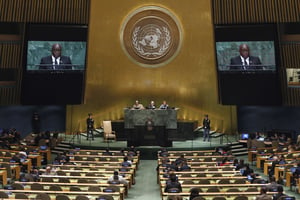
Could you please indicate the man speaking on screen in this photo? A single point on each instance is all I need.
(56, 61)
(244, 61)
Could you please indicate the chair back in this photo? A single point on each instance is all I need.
(62, 197)
(17, 186)
(82, 197)
(55, 188)
(36, 186)
(43, 196)
(107, 127)
(21, 196)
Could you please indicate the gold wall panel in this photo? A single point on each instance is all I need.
(114, 82)
(10, 90)
(42, 11)
(290, 58)
(255, 11)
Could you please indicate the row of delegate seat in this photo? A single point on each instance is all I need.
(89, 179)
(212, 182)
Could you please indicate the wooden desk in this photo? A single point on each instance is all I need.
(260, 158)
(47, 152)
(74, 179)
(3, 174)
(27, 162)
(15, 169)
(131, 169)
(72, 194)
(251, 156)
(267, 164)
(36, 157)
(212, 194)
(83, 185)
(288, 179)
(278, 172)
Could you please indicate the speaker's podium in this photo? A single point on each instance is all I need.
(149, 127)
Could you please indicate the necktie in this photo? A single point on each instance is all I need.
(244, 64)
(55, 64)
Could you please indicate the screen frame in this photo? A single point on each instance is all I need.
(249, 87)
(55, 33)
(53, 87)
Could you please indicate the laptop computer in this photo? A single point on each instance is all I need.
(43, 147)
(245, 136)
(288, 198)
(293, 169)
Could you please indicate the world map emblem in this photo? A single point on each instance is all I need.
(151, 36)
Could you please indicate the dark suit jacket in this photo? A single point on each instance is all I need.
(64, 63)
(254, 63)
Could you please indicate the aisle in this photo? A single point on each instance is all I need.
(146, 187)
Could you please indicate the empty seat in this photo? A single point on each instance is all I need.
(55, 188)
(36, 186)
(204, 181)
(90, 174)
(233, 190)
(93, 188)
(199, 198)
(241, 198)
(82, 180)
(61, 173)
(252, 189)
(210, 164)
(207, 159)
(82, 197)
(62, 197)
(21, 196)
(78, 158)
(219, 198)
(47, 179)
(217, 175)
(213, 189)
(63, 180)
(75, 174)
(212, 169)
(201, 175)
(3, 195)
(90, 159)
(224, 181)
(108, 133)
(43, 196)
(199, 169)
(227, 169)
(239, 181)
(186, 175)
(75, 188)
(188, 182)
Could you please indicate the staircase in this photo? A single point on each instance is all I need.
(238, 149)
(62, 147)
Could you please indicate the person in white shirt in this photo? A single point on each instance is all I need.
(116, 178)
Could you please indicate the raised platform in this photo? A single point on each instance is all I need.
(147, 152)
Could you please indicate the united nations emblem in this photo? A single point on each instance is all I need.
(151, 36)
